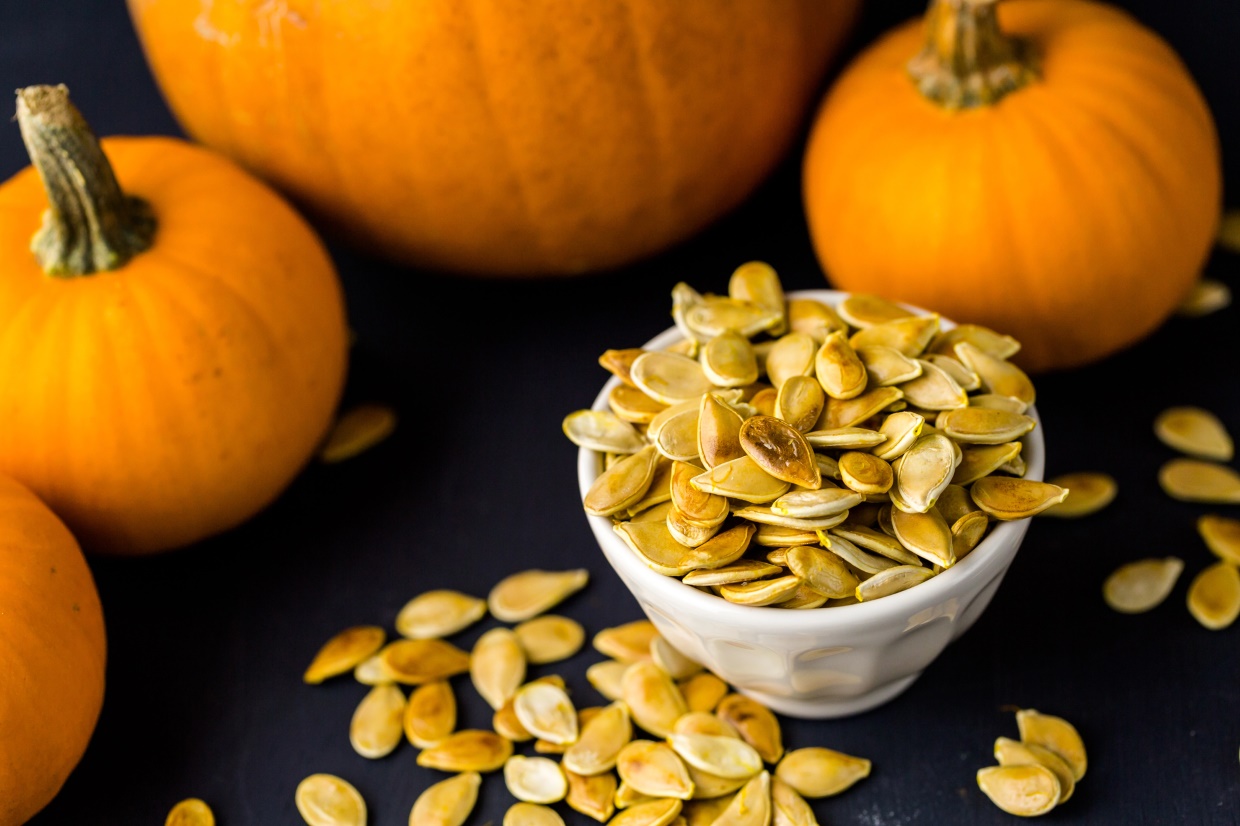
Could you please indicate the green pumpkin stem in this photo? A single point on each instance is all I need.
(967, 61)
(90, 225)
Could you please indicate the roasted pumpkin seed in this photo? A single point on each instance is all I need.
(603, 431)
(535, 779)
(751, 805)
(1141, 585)
(439, 613)
(1198, 480)
(600, 741)
(1214, 595)
(1056, 734)
(549, 638)
(702, 691)
(190, 812)
(527, 594)
(344, 652)
(998, 376)
(717, 754)
(467, 750)
(531, 814)
(594, 795)
(659, 812)
(653, 768)
(1009, 752)
(328, 800)
(1195, 431)
(669, 378)
(1221, 535)
(815, 771)
(788, 808)
(497, 666)
(430, 713)
(1027, 790)
(628, 642)
(448, 802)
(414, 662)
(1205, 296)
(546, 711)
(623, 484)
(607, 678)
(891, 581)
(1005, 498)
(357, 430)
(653, 698)
(378, 722)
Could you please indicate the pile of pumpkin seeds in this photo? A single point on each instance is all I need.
(1037, 772)
(793, 453)
(673, 744)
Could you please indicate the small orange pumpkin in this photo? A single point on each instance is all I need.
(53, 652)
(499, 138)
(1047, 168)
(173, 353)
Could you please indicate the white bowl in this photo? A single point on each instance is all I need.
(821, 662)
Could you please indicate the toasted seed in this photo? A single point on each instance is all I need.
(370, 671)
(791, 355)
(702, 691)
(977, 461)
(742, 570)
(659, 492)
(807, 504)
(531, 814)
(983, 425)
(1196, 480)
(448, 802)
(628, 642)
(653, 768)
(344, 652)
(535, 779)
(759, 514)
(966, 378)
(623, 484)
(653, 698)
(607, 678)
(467, 750)
(934, 389)
(1207, 295)
(1141, 585)
(788, 808)
(659, 812)
(704, 722)
(1005, 498)
(998, 376)
(699, 507)
(377, 724)
(781, 450)
(546, 711)
(985, 339)
(190, 812)
(414, 662)
(800, 401)
(1026, 791)
(864, 310)
(714, 314)
(838, 368)
(876, 541)
(497, 665)
(676, 436)
(838, 413)
(627, 796)
(619, 362)
(761, 592)
(703, 811)
(910, 335)
(900, 432)
(356, 431)
(439, 613)
(967, 531)
(886, 366)
(1221, 535)
(1056, 734)
(527, 594)
(742, 478)
(728, 360)
(758, 726)
(1089, 492)
(632, 405)
(926, 534)
(863, 561)
(1195, 431)
(1009, 752)
(669, 378)
(328, 800)
(954, 502)
(779, 536)
(1214, 595)
(751, 806)
(815, 771)
(549, 638)
(601, 739)
(602, 430)
(594, 795)
(670, 659)
(717, 754)
(821, 570)
(719, 428)
(756, 282)
(804, 597)
(845, 438)
(430, 713)
(507, 725)
(865, 472)
(891, 581)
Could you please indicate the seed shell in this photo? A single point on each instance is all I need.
(815, 771)
(702, 691)
(535, 779)
(497, 666)
(439, 613)
(378, 722)
(594, 796)
(1221, 535)
(1027, 791)
(549, 638)
(190, 812)
(1005, 498)
(1214, 596)
(1089, 492)
(527, 594)
(1009, 752)
(467, 750)
(1141, 585)
(430, 713)
(448, 802)
(1198, 480)
(357, 430)
(414, 662)
(653, 768)
(600, 741)
(717, 754)
(1195, 431)
(751, 806)
(653, 698)
(328, 800)
(659, 812)
(344, 652)
(1056, 734)
(531, 814)
(546, 711)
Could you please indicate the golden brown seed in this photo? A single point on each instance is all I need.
(439, 613)
(378, 722)
(448, 802)
(704, 811)
(622, 484)
(328, 800)
(788, 808)
(762, 592)
(984, 338)
(983, 425)
(998, 376)
(910, 335)
(781, 450)
(751, 806)
(718, 436)
(669, 378)
(756, 282)
(344, 652)
(594, 796)
(1141, 585)
(926, 534)
(703, 691)
(627, 796)
(821, 570)
(1006, 498)
(527, 594)
(467, 750)
(1009, 752)
(653, 768)
(430, 713)
(414, 662)
(603, 430)
(757, 725)
(721, 755)
(1214, 596)
(531, 814)
(1089, 492)
(653, 698)
(742, 570)
(357, 430)
(891, 581)
(703, 722)
(1221, 535)
(670, 659)
(550, 638)
(600, 741)
(607, 678)
(190, 812)
(815, 771)
(628, 642)
(1026, 791)
(1056, 734)
(742, 478)
(799, 402)
(632, 405)
(837, 413)
(546, 711)
(1196, 480)
(838, 368)
(935, 389)
(977, 461)
(535, 779)
(1207, 295)
(1195, 431)
(863, 310)
(967, 532)
(658, 812)
(497, 666)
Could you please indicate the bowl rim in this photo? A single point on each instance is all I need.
(990, 558)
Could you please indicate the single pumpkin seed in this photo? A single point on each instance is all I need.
(671, 660)
(910, 335)
(707, 785)
(994, 401)
(704, 722)
(718, 754)
(761, 592)
(683, 297)
(633, 406)
(779, 536)
(900, 432)
(891, 581)
(659, 812)
(627, 796)
(1195, 431)
(507, 724)
(983, 425)
(934, 389)
(653, 698)
(1214, 595)
(1089, 492)
(623, 484)
(815, 771)
(600, 741)
(619, 362)
(742, 570)
(876, 541)
(190, 812)
(813, 317)
(660, 489)
(863, 561)
(497, 666)
(527, 594)
(800, 401)
(344, 652)
(628, 642)
(983, 338)
(687, 532)
(1027, 791)
(677, 436)
(759, 514)
(808, 504)
(756, 282)
(788, 808)
(977, 461)
(716, 314)
(531, 814)
(1221, 535)
(654, 768)
(327, 800)
(413, 662)
(549, 638)
(602, 430)
(821, 570)
(706, 509)
(448, 802)
(865, 473)
(758, 726)
(1005, 498)
(719, 428)
(781, 450)
(430, 713)
(837, 413)
(439, 613)
(607, 678)
(669, 378)
(593, 795)
(546, 711)
(1207, 295)
(751, 806)
(998, 376)
(702, 691)
(535, 779)
(954, 502)
(378, 722)
(728, 360)
(356, 431)
(887, 366)
(863, 310)
(838, 368)
(966, 378)
(467, 750)
(1056, 734)
(845, 438)
(1197, 480)
(742, 478)
(791, 355)
(1009, 752)
(967, 532)
(926, 534)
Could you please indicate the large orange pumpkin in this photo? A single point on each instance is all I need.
(169, 364)
(1047, 168)
(52, 654)
(493, 137)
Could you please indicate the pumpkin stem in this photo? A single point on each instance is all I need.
(90, 225)
(967, 61)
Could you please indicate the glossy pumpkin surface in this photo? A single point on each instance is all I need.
(1074, 213)
(499, 138)
(52, 654)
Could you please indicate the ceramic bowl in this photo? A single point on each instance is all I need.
(823, 662)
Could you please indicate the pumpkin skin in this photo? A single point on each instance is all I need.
(1074, 214)
(53, 653)
(498, 138)
(171, 399)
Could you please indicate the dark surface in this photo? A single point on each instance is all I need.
(207, 645)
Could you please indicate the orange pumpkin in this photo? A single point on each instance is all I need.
(1047, 168)
(499, 138)
(52, 654)
(173, 352)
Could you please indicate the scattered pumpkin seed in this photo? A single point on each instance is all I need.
(594, 795)
(603, 431)
(370, 671)
(497, 666)
(659, 812)
(1221, 535)
(607, 678)
(439, 613)
(546, 711)
(670, 659)
(430, 714)
(344, 652)
(628, 642)
(1141, 585)
(1026, 790)
(815, 771)
(653, 768)
(1089, 492)
(757, 725)
(413, 662)
(998, 376)
(704, 722)
(600, 741)
(1005, 498)
(327, 800)
(1056, 734)
(526, 594)
(756, 282)
(751, 806)
(788, 808)
(378, 722)
(1207, 295)
(985, 339)
(1195, 431)
(891, 581)
(190, 812)
(718, 754)
(1009, 752)
(549, 638)
(448, 802)
(357, 430)
(1197, 480)
(476, 750)
(702, 691)
(531, 814)
(1214, 595)
(535, 779)
(653, 698)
